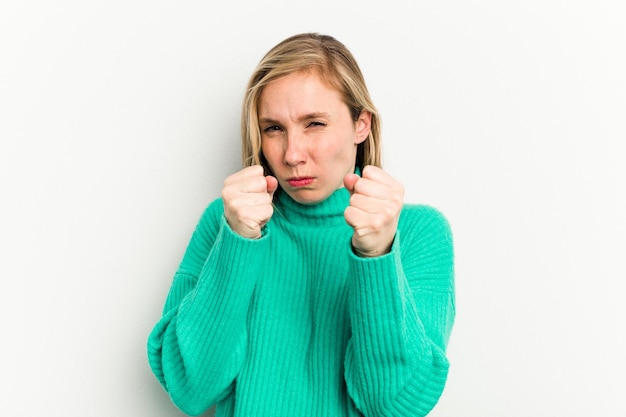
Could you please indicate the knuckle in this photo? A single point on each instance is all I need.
(256, 169)
(377, 223)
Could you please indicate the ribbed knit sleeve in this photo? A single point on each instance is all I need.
(401, 311)
(197, 348)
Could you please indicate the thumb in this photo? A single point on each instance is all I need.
(349, 181)
(272, 184)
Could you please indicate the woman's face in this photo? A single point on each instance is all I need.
(307, 136)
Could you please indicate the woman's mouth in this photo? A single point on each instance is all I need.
(299, 181)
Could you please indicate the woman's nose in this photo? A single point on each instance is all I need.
(295, 152)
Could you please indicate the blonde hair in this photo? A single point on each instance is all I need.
(334, 63)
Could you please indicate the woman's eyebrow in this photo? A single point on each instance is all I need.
(268, 120)
(314, 115)
(308, 116)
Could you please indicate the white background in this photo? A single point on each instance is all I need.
(119, 121)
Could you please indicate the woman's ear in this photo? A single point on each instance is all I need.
(363, 126)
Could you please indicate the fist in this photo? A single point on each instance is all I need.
(376, 201)
(247, 197)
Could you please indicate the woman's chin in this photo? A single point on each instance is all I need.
(306, 196)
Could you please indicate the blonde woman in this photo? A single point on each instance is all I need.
(309, 288)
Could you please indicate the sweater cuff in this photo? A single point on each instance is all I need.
(224, 263)
(226, 283)
(383, 313)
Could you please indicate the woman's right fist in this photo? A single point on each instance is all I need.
(247, 197)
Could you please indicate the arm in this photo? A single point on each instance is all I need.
(402, 310)
(197, 348)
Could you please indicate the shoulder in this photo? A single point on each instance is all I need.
(211, 219)
(424, 217)
(214, 209)
(423, 228)
(426, 246)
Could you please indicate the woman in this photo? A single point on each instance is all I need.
(309, 288)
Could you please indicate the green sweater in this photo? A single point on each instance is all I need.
(294, 324)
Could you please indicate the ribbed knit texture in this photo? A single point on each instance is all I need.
(294, 324)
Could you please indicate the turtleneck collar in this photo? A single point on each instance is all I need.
(325, 213)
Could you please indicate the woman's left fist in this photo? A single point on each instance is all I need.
(376, 201)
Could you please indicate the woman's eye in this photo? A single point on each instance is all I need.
(315, 124)
(272, 128)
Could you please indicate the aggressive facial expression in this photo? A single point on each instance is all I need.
(308, 136)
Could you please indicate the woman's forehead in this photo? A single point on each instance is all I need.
(299, 94)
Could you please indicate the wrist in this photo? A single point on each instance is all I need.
(370, 253)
